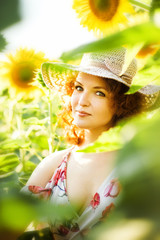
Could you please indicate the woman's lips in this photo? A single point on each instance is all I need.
(83, 114)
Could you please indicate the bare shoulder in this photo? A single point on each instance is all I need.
(46, 168)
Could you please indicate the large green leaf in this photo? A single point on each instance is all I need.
(137, 212)
(149, 74)
(8, 162)
(131, 36)
(122, 227)
(9, 13)
(138, 169)
(27, 208)
(108, 141)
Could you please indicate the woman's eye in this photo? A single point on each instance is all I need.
(100, 94)
(78, 88)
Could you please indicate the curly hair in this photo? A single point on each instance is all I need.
(124, 105)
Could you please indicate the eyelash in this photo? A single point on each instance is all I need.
(101, 93)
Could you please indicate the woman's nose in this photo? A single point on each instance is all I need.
(84, 99)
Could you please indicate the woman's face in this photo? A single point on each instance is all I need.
(91, 103)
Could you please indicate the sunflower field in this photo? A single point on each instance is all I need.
(31, 129)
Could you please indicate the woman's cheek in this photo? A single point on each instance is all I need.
(73, 102)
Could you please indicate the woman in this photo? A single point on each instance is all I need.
(97, 101)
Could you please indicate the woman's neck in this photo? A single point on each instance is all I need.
(90, 137)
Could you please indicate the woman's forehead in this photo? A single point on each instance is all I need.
(85, 78)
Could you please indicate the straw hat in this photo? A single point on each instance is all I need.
(110, 64)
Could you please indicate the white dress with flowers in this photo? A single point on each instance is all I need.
(76, 228)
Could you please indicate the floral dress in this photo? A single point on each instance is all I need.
(102, 203)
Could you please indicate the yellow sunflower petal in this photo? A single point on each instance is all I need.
(102, 16)
(19, 70)
(148, 50)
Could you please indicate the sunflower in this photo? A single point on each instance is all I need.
(102, 16)
(19, 70)
(148, 50)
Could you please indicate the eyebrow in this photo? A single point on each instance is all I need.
(97, 87)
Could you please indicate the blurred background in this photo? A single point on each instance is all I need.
(49, 26)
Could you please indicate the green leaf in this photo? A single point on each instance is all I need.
(39, 78)
(8, 162)
(138, 170)
(108, 141)
(27, 208)
(34, 111)
(40, 142)
(3, 42)
(148, 75)
(30, 166)
(3, 136)
(9, 13)
(8, 181)
(140, 4)
(155, 5)
(130, 54)
(119, 226)
(131, 36)
(144, 77)
(35, 121)
(13, 144)
(12, 206)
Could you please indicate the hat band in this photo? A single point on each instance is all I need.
(103, 67)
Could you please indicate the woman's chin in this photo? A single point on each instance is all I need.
(81, 125)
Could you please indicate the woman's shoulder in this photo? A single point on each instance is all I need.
(46, 168)
(55, 157)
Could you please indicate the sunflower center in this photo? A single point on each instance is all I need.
(22, 75)
(104, 9)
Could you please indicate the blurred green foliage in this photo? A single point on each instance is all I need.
(26, 128)
(154, 6)
(29, 132)
(149, 74)
(129, 37)
(138, 163)
(3, 42)
(9, 13)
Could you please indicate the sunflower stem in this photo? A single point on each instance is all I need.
(59, 142)
(21, 151)
(140, 4)
(51, 134)
(12, 104)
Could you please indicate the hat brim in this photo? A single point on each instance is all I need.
(60, 68)
(49, 69)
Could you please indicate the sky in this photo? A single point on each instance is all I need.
(50, 26)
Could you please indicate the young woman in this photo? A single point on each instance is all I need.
(97, 101)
